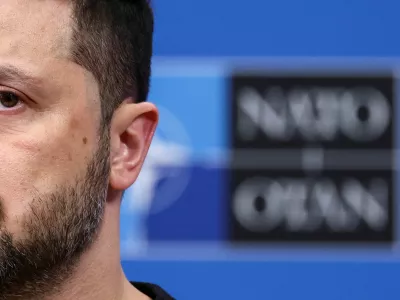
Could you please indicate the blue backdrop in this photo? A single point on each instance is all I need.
(185, 245)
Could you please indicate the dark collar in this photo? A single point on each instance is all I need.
(152, 290)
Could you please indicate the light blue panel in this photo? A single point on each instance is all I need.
(198, 102)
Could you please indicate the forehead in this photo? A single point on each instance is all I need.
(35, 29)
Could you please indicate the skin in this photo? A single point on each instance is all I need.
(49, 137)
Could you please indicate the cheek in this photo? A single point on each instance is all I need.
(14, 174)
(16, 189)
(35, 162)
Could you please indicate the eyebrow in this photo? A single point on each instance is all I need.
(10, 73)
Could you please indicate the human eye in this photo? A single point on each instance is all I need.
(10, 101)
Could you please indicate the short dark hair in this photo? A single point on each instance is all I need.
(113, 39)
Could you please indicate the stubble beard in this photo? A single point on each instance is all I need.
(59, 228)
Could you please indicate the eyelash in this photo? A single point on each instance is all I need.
(5, 89)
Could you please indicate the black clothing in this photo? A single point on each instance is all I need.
(152, 290)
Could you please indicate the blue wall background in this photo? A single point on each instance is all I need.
(196, 42)
(277, 28)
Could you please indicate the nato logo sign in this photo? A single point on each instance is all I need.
(313, 157)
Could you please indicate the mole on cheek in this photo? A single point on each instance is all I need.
(84, 140)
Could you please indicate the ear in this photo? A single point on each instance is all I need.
(132, 130)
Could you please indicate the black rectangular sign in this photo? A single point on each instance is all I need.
(346, 112)
(312, 157)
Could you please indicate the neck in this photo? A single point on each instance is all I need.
(99, 275)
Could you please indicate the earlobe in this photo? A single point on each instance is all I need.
(132, 131)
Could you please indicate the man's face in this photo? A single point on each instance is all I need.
(53, 168)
